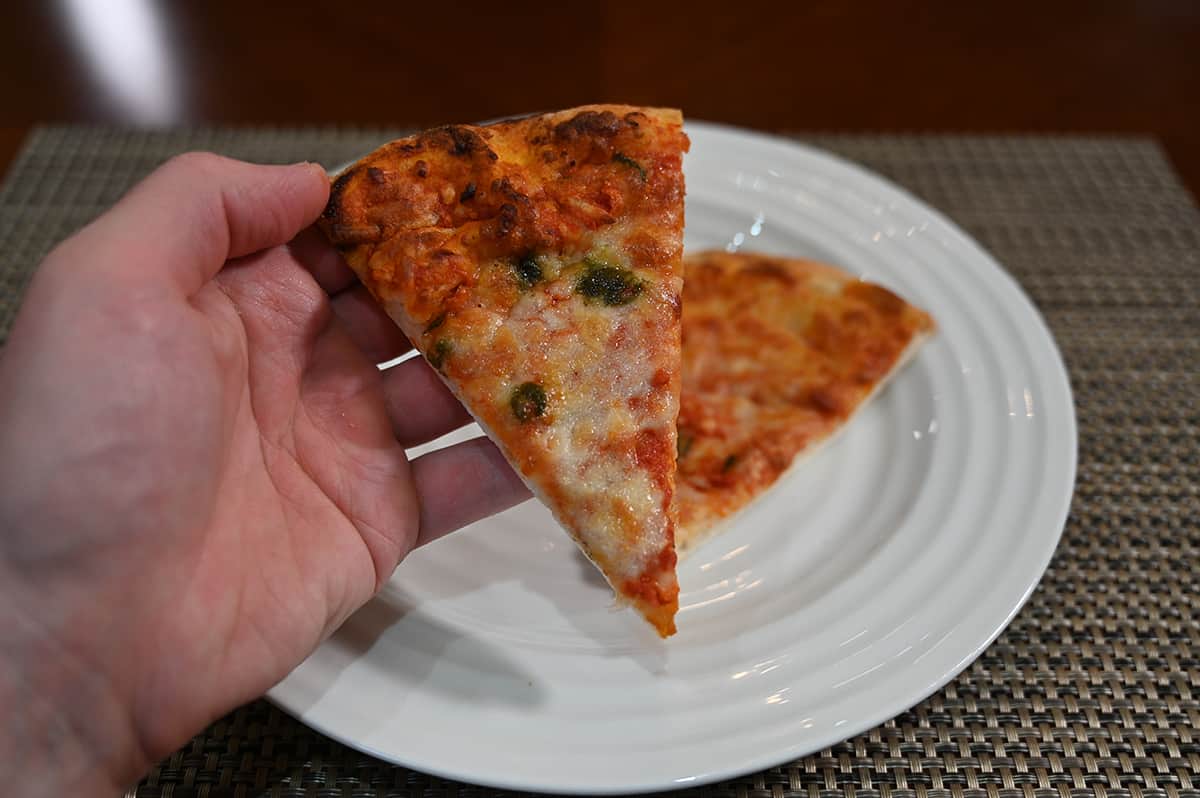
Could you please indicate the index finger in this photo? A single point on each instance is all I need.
(314, 252)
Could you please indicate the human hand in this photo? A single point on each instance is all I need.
(202, 473)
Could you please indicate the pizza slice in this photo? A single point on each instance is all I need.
(778, 354)
(535, 263)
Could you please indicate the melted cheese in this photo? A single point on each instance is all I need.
(442, 228)
(777, 355)
(592, 359)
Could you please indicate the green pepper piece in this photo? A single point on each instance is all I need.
(622, 158)
(440, 351)
(529, 271)
(435, 322)
(528, 401)
(612, 284)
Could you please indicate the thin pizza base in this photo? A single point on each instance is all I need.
(692, 536)
(779, 355)
(657, 616)
(535, 264)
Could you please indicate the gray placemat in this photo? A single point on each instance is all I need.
(1095, 688)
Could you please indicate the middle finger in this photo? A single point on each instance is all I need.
(420, 405)
(368, 326)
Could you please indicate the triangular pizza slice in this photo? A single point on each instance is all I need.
(778, 355)
(535, 263)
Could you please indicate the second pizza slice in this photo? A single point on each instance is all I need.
(536, 265)
(779, 354)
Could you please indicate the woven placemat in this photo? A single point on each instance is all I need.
(1093, 690)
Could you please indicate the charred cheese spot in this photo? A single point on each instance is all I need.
(635, 118)
(505, 221)
(464, 141)
(333, 208)
(588, 124)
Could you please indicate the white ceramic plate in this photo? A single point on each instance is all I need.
(875, 573)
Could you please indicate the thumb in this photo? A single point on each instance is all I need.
(197, 211)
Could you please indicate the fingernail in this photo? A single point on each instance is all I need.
(312, 166)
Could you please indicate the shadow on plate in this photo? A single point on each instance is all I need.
(392, 649)
(593, 623)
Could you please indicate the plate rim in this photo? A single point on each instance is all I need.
(1057, 378)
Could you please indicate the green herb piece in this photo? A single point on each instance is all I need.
(622, 158)
(435, 322)
(438, 354)
(682, 445)
(729, 463)
(529, 271)
(528, 401)
(612, 284)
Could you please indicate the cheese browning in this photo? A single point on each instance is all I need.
(777, 355)
(536, 265)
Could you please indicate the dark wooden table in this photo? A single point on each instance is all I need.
(1019, 66)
